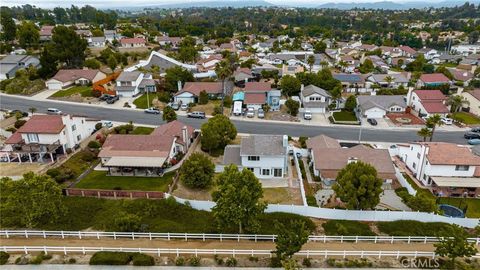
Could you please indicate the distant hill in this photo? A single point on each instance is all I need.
(396, 6)
(214, 4)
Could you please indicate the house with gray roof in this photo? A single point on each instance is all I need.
(379, 106)
(97, 42)
(315, 99)
(352, 83)
(388, 80)
(265, 155)
(133, 83)
(11, 63)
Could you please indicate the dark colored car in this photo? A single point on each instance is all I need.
(113, 99)
(475, 129)
(200, 115)
(471, 135)
(14, 112)
(104, 97)
(372, 121)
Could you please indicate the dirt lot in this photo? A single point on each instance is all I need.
(282, 196)
(16, 169)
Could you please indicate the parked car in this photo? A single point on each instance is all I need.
(471, 135)
(372, 121)
(104, 97)
(307, 115)
(475, 129)
(200, 115)
(474, 141)
(107, 124)
(53, 111)
(15, 112)
(152, 110)
(112, 99)
(175, 106)
(261, 113)
(250, 113)
(447, 121)
(184, 107)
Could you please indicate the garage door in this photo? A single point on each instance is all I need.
(54, 85)
(374, 113)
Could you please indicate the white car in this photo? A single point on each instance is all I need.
(184, 107)
(447, 121)
(250, 113)
(307, 115)
(152, 110)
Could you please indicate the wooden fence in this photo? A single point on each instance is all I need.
(120, 194)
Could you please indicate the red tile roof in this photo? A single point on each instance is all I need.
(430, 94)
(50, 124)
(174, 129)
(451, 154)
(197, 87)
(434, 78)
(15, 138)
(66, 75)
(407, 49)
(255, 98)
(475, 93)
(132, 40)
(257, 87)
(137, 145)
(435, 107)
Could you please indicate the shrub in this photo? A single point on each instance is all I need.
(307, 262)
(412, 228)
(40, 258)
(110, 258)
(19, 123)
(227, 102)
(194, 261)
(164, 97)
(72, 261)
(303, 141)
(217, 110)
(4, 257)
(218, 260)
(275, 262)
(203, 97)
(98, 126)
(253, 259)
(231, 262)
(140, 259)
(94, 145)
(18, 260)
(346, 227)
(180, 261)
(11, 129)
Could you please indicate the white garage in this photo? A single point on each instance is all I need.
(185, 98)
(378, 106)
(374, 112)
(53, 84)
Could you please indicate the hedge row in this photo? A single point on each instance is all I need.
(121, 258)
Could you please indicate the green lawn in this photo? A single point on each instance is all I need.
(84, 91)
(142, 130)
(74, 166)
(100, 180)
(466, 118)
(344, 116)
(141, 101)
(426, 192)
(473, 205)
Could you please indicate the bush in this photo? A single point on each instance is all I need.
(110, 258)
(217, 110)
(140, 259)
(231, 262)
(253, 259)
(72, 261)
(227, 102)
(346, 227)
(218, 260)
(40, 258)
(412, 228)
(180, 261)
(164, 97)
(203, 97)
(19, 123)
(98, 126)
(303, 141)
(292, 106)
(4, 257)
(94, 145)
(307, 262)
(194, 261)
(275, 262)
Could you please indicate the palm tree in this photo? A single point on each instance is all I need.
(311, 61)
(224, 70)
(456, 102)
(425, 133)
(389, 79)
(343, 65)
(336, 94)
(433, 122)
(324, 64)
(32, 110)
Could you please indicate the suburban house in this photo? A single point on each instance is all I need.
(427, 102)
(242, 76)
(407, 51)
(473, 98)
(449, 169)
(68, 77)
(97, 42)
(209, 63)
(428, 53)
(161, 61)
(146, 155)
(133, 42)
(388, 80)
(315, 99)
(259, 93)
(352, 83)
(43, 138)
(11, 63)
(111, 35)
(379, 106)
(463, 76)
(166, 40)
(191, 91)
(132, 83)
(328, 158)
(265, 155)
(46, 32)
(432, 80)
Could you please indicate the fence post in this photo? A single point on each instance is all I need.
(376, 239)
(273, 238)
(344, 254)
(409, 239)
(238, 237)
(324, 239)
(63, 236)
(83, 250)
(168, 236)
(6, 234)
(341, 239)
(308, 254)
(26, 234)
(196, 253)
(398, 254)
(150, 235)
(255, 239)
(25, 249)
(361, 255)
(220, 237)
(98, 235)
(425, 240)
(44, 235)
(416, 254)
(203, 237)
(158, 252)
(380, 254)
(115, 235)
(356, 239)
(326, 254)
(177, 253)
(233, 253)
(391, 242)
(65, 250)
(186, 237)
(45, 250)
(133, 236)
(79, 235)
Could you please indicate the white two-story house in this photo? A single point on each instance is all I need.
(265, 155)
(448, 169)
(45, 137)
(132, 83)
(315, 99)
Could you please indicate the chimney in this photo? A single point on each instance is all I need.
(285, 141)
(352, 160)
(179, 85)
(185, 138)
(302, 87)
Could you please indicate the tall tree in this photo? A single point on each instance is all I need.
(9, 29)
(238, 200)
(31, 201)
(290, 85)
(169, 114)
(223, 70)
(319, 47)
(358, 186)
(290, 239)
(48, 62)
(174, 75)
(454, 245)
(433, 122)
(217, 132)
(311, 61)
(456, 102)
(28, 35)
(69, 47)
(424, 133)
(197, 171)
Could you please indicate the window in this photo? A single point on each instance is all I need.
(418, 155)
(74, 127)
(32, 137)
(461, 168)
(414, 165)
(250, 169)
(79, 137)
(265, 171)
(253, 158)
(277, 172)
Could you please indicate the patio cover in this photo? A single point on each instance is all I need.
(135, 162)
(467, 182)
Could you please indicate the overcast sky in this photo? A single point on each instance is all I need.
(122, 3)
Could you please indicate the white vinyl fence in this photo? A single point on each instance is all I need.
(404, 182)
(231, 252)
(299, 175)
(218, 237)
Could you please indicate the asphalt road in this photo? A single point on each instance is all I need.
(138, 117)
